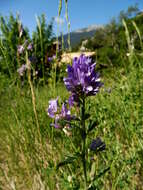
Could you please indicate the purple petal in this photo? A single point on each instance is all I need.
(53, 107)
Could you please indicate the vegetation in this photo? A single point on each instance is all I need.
(31, 149)
(15, 40)
(109, 41)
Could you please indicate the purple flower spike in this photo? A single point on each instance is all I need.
(71, 101)
(22, 69)
(30, 46)
(53, 108)
(57, 114)
(56, 124)
(82, 80)
(20, 49)
(65, 113)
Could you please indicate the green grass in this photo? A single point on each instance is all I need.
(28, 161)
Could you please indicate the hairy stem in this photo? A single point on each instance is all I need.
(83, 142)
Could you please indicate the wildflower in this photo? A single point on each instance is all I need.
(82, 80)
(22, 69)
(58, 115)
(71, 101)
(30, 46)
(20, 49)
(56, 124)
(65, 113)
(50, 59)
(53, 108)
(97, 145)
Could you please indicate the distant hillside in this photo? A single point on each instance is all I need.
(77, 35)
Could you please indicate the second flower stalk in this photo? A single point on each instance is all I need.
(82, 81)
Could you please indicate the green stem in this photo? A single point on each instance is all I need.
(84, 142)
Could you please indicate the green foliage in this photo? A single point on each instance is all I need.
(132, 11)
(10, 30)
(14, 34)
(42, 39)
(118, 114)
(109, 41)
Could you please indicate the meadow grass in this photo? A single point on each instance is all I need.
(29, 163)
(28, 157)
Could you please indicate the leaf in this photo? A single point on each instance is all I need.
(101, 174)
(138, 32)
(93, 169)
(60, 7)
(86, 116)
(92, 126)
(68, 160)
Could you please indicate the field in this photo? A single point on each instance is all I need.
(37, 156)
(28, 159)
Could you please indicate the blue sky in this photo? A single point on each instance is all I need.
(81, 12)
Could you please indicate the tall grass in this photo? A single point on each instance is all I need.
(27, 163)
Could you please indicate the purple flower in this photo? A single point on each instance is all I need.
(97, 145)
(30, 46)
(57, 114)
(53, 108)
(50, 59)
(56, 124)
(66, 113)
(82, 80)
(22, 69)
(71, 101)
(20, 49)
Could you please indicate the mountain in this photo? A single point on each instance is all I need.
(80, 34)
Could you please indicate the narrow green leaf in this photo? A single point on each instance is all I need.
(138, 32)
(87, 116)
(101, 174)
(68, 160)
(92, 126)
(60, 7)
